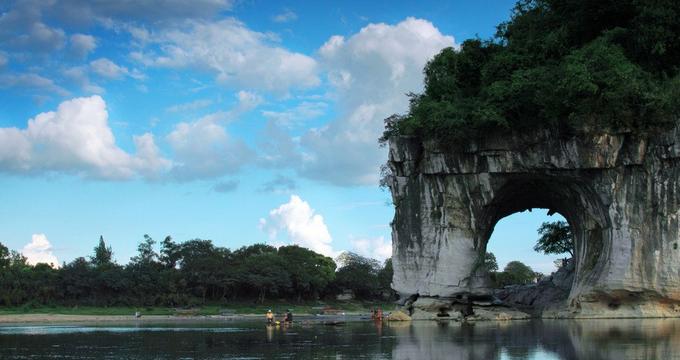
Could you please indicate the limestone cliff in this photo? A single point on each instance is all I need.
(618, 191)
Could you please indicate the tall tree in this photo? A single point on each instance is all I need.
(4, 257)
(555, 239)
(490, 263)
(309, 272)
(170, 253)
(102, 254)
(359, 274)
(145, 252)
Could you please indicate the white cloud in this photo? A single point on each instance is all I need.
(31, 81)
(3, 60)
(108, 69)
(370, 72)
(38, 251)
(237, 56)
(372, 247)
(204, 149)
(286, 16)
(302, 227)
(22, 29)
(76, 139)
(79, 76)
(189, 106)
(81, 45)
(278, 150)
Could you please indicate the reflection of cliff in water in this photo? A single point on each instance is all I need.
(626, 338)
(545, 339)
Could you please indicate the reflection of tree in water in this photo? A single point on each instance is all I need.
(417, 340)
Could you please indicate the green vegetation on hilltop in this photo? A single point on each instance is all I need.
(557, 64)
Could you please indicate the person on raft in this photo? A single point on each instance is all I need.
(288, 317)
(270, 318)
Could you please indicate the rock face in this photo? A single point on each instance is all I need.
(546, 296)
(619, 193)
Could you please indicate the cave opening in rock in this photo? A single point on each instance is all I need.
(524, 276)
(558, 198)
(515, 236)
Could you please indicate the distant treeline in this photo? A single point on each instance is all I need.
(191, 273)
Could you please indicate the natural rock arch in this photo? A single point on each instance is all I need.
(619, 193)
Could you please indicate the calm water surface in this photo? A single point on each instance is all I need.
(421, 340)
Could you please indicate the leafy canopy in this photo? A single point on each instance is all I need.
(555, 239)
(557, 64)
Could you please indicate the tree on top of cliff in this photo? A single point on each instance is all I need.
(560, 64)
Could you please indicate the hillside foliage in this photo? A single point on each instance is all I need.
(559, 64)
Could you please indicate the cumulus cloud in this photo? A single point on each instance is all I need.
(235, 55)
(38, 251)
(81, 45)
(79, 76)
(301, 226)
(278, 150)
(77, 139)
(372, 247)
(392, 57)
(203, 149)
(108, 69)
(22, 29)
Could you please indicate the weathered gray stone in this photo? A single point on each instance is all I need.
(618, 191)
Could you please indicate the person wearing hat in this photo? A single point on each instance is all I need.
(270, 318)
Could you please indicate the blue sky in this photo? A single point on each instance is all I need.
(241, 122)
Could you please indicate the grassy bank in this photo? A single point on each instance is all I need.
(237, 308)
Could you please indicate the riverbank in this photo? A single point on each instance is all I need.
(63, 318)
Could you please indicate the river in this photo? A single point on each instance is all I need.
(648, 339)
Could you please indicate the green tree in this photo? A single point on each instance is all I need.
(146, 253)
(102, 254)
(565, 65)
(555, 239)
(75, 279)
(200, 264)
(517, 273)
(309, 272)
(4, 257)
(490, 263)
(359, 274)
(144, 272)
(266, 273)
(385, 279)
(170, 253)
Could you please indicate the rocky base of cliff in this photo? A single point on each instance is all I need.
(545, 299)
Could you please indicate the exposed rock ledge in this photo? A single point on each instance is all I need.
(618, 191)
